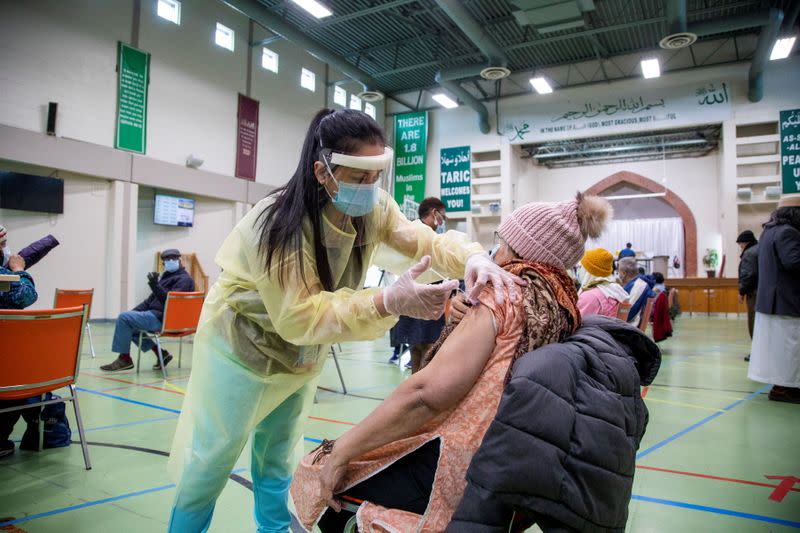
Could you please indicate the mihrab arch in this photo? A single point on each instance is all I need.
(689, 224)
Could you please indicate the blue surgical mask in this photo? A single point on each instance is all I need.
(441, 228)
(171, 265)
(355, 199)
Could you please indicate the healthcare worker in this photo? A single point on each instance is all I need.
(291, 285)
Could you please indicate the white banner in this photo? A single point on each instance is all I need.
(628, 111)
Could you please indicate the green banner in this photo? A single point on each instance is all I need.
(133, 69)
(456, 177)
(790, 151)
(410, 149)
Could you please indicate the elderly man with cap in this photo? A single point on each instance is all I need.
(148, 314)
(748, 276)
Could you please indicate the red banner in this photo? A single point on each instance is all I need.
(246, 138)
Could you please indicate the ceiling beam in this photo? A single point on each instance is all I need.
(361, 13)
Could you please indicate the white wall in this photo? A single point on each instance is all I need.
(65, 52)
(214, 220)
(695, 181)
(62, 52)
(81, 260)
(194, 84)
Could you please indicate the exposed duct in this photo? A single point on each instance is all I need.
(497, 60)
(770, 22)
(766, 40)
(478, 35)
(677, 34)
(261, 15)
(467, 98)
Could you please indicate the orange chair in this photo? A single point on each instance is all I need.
(623, 310)
(42, 353)
(647, 312)
(181, 316)
(71, 298)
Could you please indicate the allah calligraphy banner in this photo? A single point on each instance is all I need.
(790, 151)
(410, 149)
(133, 70)
(246, 138)
(623, 111)
(456, 181)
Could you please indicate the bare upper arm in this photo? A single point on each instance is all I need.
(459, 361)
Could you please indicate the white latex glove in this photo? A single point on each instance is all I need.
(407, 297)
(481, 270)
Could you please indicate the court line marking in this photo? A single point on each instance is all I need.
(682, 404)
(133, 383)
(704, 421)
(93, 503)
(135, 402)
(717, 510)
(718, 478)
(137, 423)
(176, 411)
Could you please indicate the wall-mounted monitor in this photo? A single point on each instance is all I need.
(27, 192)
(174, 211)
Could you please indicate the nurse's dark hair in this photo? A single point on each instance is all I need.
(281, 224)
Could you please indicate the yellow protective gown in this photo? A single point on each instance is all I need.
(261, 345)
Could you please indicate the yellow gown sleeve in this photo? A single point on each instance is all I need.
(407, 242)
(301, 311)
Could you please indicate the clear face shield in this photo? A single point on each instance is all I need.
(358, 191)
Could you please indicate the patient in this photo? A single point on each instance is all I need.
(408, 458)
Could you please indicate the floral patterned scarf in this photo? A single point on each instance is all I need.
(550, 304)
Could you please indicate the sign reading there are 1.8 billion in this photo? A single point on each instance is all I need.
(410, 147)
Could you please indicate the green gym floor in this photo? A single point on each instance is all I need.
(707, 463)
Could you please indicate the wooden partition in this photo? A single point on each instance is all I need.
(708, 295)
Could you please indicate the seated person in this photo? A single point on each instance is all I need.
(20, 295)
(408, 458)
(600, 294)
(627, 251)
(660, 286)
(637, 286)
(32, 254)
(147, 315)
(590, 384)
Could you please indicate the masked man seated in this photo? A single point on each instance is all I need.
(147, 315)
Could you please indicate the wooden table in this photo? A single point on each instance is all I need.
(708, 295)
(5, 281)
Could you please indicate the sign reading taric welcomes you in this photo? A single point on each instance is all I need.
(456, 178)
(246, 138)
(625, 111)
(133, 69)
(410, 148)
(790, 151)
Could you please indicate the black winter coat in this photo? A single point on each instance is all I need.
(748, 270)
(563, 443)
(779, 271)
(179, 281)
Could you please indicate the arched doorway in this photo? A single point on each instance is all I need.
(689, 224)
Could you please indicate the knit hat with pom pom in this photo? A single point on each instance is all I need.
(555, 233)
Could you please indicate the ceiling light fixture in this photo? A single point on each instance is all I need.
(541, 85)
(782, 48)
(314, 7)
(651, 68)
(445, 101)
(642, 195)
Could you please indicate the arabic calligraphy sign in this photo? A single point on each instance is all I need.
(410, 148)
(456, 178)
(630, 111)
(790, 151)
